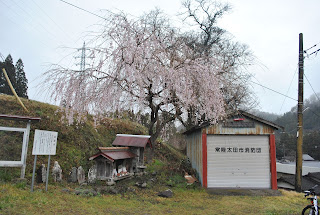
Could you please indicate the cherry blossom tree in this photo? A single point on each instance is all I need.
(145, 65)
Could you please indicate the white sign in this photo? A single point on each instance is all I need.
(45, 142)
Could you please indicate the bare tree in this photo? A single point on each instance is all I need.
(211, 41)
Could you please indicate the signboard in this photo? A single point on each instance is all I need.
(45, 142)
(238, 149)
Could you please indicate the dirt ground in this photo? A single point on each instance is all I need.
(243, 192)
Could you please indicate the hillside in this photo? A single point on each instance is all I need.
(286, 140)
(311, 117)
(76, 142)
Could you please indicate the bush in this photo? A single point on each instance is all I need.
(8, 174)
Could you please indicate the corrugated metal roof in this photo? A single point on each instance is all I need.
(19, 118)
(241, 113)
(114, 155)
(131, 140)
(113, 148)
(307, 182)
(261, 120)
(306, 157)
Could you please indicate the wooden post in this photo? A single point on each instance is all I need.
(298, 179)
(273, 161)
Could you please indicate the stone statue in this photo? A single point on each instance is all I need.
(81, 175)
(41, 174)
(57, 172)
(73, 175)
(92, 174)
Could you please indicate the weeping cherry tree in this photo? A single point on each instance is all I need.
(145, 65)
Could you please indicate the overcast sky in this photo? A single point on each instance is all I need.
(37, 31)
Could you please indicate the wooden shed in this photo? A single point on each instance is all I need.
(113, 162)
(238, 152)
(137, 145)
(122, 160)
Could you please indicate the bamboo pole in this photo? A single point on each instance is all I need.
(12, 89)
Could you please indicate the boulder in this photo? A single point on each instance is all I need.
(166, 194)
(141, 184)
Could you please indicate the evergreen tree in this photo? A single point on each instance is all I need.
(9, 67)
(21, 80)
(16, 75)
(2, 78)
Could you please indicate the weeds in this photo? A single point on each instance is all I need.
(14, 200)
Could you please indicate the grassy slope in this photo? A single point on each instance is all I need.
(19, 200)
(75, 142)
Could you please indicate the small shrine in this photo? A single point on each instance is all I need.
(124, 159)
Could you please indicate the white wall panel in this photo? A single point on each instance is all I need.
(238, 161)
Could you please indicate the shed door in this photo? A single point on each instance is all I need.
(238, 161)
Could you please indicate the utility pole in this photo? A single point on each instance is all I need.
(298, 179)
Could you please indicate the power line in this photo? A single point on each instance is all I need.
(45, 13)
(314, 52)
(305, 51)
(311, 87)
(32, 20)
(27, 22)
(274, 91)
(2, 56)
(314, 113)
(84, 10)
(289, 87)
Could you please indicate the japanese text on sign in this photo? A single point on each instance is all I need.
(238, 150)
(45, 142)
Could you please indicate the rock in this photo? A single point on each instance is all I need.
(144, 185)
(141, 184)
(41, 174)
(138, 174)
(103, 190)
(86, 192)
(65, 190)
(81, 175)
(166, 194)
(110, 183)
(152, 180)
(94, 193)
(77, 192)
(92, 174)
(73, 175)
(113, 191)
(154, 173)
(57, 172)
(131, 189)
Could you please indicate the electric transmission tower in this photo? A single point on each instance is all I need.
(82, 75)
(83, 57)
